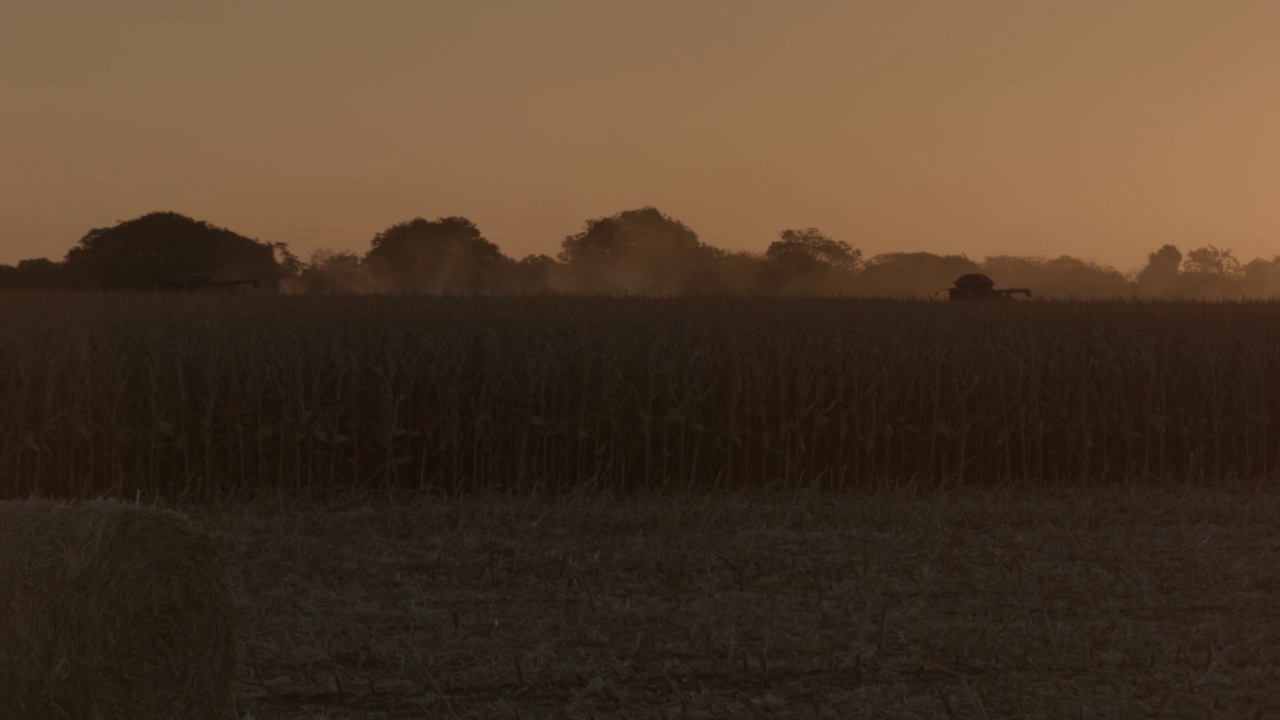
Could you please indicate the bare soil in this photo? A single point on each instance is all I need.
(1120, 603)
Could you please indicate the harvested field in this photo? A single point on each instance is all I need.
(1118, 602)
(112, 611)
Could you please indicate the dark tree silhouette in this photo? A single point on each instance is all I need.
(33, 274)
(739, 273)
(1262, 277)
(1212, 260)
(808, 260)
(1211, 272)
(534, 274)
(1160, 276)
(808, 251)
(1061, 277)
(919, 274)
(447, 254)
(636, 251)
(140, 254)
(329, 272)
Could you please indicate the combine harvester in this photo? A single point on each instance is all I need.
(980, 287)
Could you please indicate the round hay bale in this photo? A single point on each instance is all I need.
(112, 611)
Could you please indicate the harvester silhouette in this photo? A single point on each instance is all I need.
(973, 286)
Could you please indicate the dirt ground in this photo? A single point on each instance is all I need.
(978, 604)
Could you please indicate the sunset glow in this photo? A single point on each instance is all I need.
(1096, 129)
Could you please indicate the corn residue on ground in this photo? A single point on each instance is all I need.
(962, 604)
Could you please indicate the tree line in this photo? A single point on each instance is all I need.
(640, 251)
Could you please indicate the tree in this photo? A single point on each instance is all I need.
(33, 274)
(636, 251)
(1065, 276)
(919, 274)
(446, 254)
(632, 232)
(138, 254)
(740, 273)
(809, 260)
(808, 251)
(334, 272)
(1210, 272)
(533, 275)
(1160, 276)
(1211, 260)
(1264, 276)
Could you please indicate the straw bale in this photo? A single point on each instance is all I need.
(112, 611)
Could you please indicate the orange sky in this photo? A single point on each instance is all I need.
(1097, 129)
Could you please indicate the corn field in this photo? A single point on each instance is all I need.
(229, 396)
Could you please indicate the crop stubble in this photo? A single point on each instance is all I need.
(1120, 602)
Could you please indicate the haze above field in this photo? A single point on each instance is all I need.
(1096, 129)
